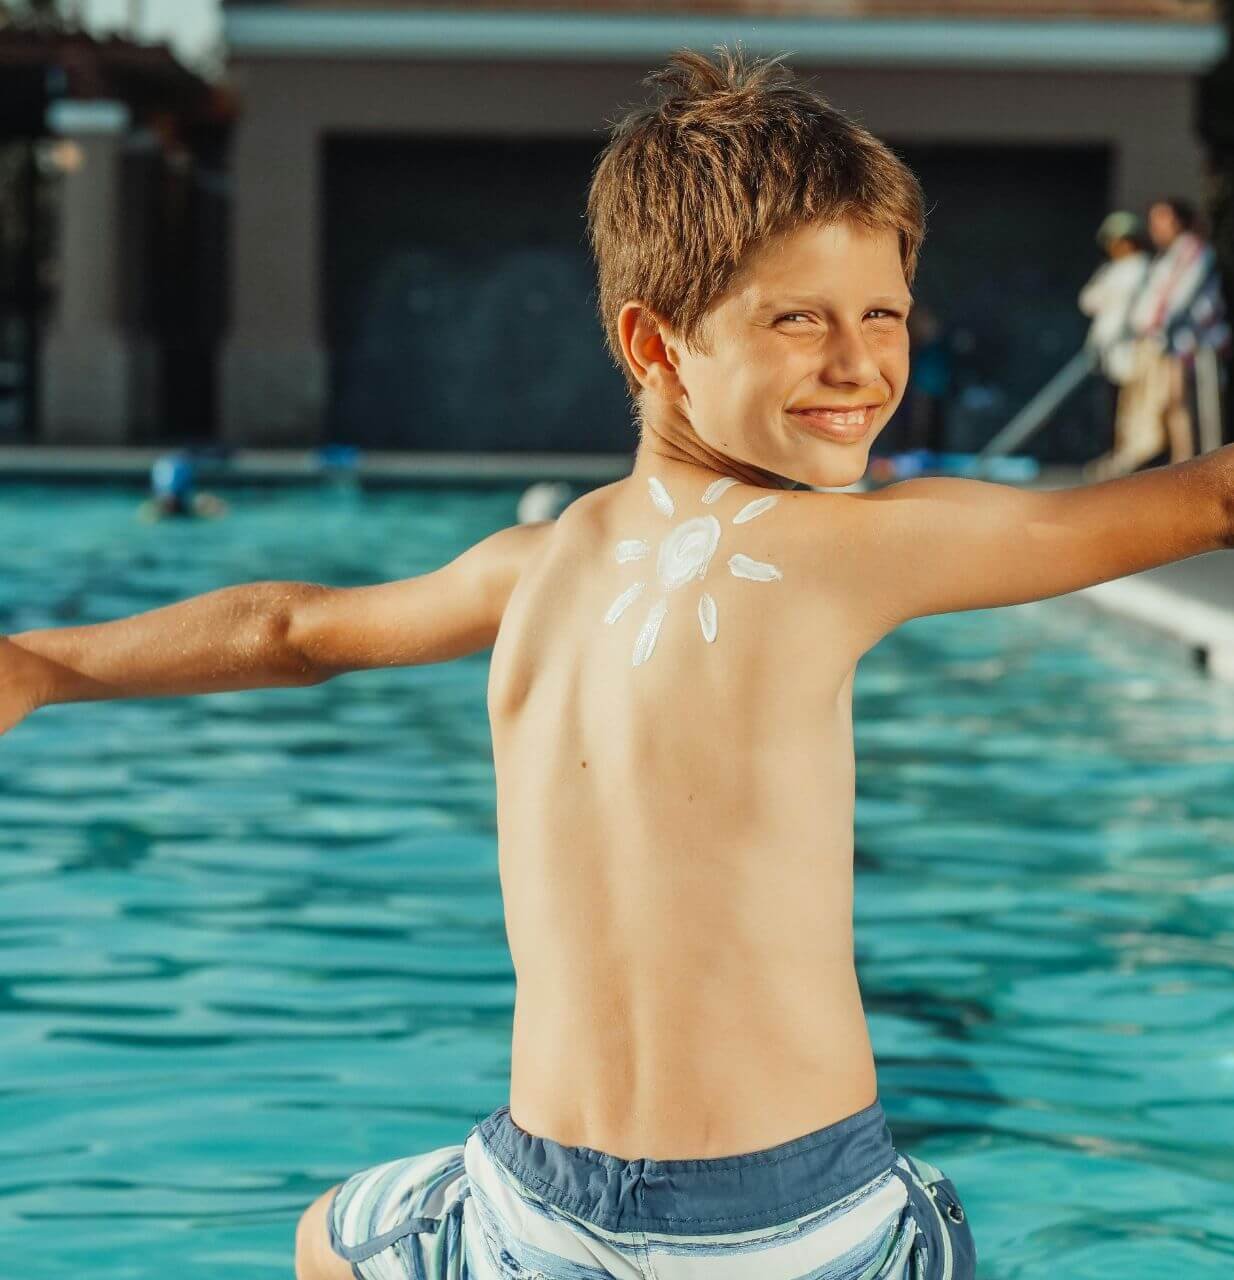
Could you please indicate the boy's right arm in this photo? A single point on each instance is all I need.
(232, 638)
(939, 544)
(270, 634)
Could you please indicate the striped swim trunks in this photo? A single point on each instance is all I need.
(837, 1204)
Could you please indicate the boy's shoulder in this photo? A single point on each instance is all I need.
(820, 524)
(815, 542)
(799, 507)
(815, 530)
(489, 570)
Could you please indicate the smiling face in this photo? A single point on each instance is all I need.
(817, 317)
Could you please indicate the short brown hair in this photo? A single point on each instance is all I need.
(733, 153)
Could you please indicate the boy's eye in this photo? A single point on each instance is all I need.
(801, 315)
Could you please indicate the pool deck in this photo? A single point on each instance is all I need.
(1190, 602)
(80, 463)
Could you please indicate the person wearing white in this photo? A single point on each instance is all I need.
(1176, 315)
(1109, 293)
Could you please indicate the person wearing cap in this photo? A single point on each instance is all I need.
(171, 491)
(1179, 324)
(1107, 298)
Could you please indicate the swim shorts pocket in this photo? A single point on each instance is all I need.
(944, 1248)
(402, 1217)
(963, 1246)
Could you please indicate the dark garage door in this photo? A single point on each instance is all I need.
(460, 292)
(460, 298)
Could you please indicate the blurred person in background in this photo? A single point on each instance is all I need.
(1178, 313)
(171, 491)
(929, 382)
(1197, 329)
(1107, 298)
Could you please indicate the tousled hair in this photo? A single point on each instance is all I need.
(732, 153)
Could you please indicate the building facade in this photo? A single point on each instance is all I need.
(408, 266)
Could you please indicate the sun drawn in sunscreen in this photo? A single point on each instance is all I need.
(684, 555)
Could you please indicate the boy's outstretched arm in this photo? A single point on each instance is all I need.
(269, 634)
(940, 544)
(454, 610)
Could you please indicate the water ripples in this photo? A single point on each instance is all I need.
(252, 942)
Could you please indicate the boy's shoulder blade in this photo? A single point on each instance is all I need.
(814, 538)
(836, 545)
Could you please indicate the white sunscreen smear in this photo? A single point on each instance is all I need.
(686, 552)
(716, 488)
(646, 641)
(632, 549)
(659, 495)
(743, 567)
(624, 601)
(755, 508)
(684, 556)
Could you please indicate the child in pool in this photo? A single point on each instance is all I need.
(693, 1092)
(172, 494)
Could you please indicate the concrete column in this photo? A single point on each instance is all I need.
(274, 359)
(99, 375)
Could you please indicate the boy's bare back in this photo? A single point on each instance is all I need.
(676, 836)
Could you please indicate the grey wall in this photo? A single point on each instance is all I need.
(276, 369)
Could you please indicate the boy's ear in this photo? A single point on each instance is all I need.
(652, 358)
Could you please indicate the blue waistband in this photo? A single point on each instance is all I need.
(703, 1196)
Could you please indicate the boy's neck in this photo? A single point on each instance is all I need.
(679, 450)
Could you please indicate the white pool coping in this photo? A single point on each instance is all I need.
(282, 465)
(1206, 630)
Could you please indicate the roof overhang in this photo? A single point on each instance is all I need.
(257, 30)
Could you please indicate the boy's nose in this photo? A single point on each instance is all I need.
(848, 360)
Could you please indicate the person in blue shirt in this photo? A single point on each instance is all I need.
(929, 382)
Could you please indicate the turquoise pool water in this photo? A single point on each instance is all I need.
(253, 942)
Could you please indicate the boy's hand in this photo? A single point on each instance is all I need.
(23, 684)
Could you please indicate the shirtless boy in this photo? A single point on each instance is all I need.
(693, 1094)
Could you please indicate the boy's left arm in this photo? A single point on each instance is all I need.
(942, 543)
(447, 613)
